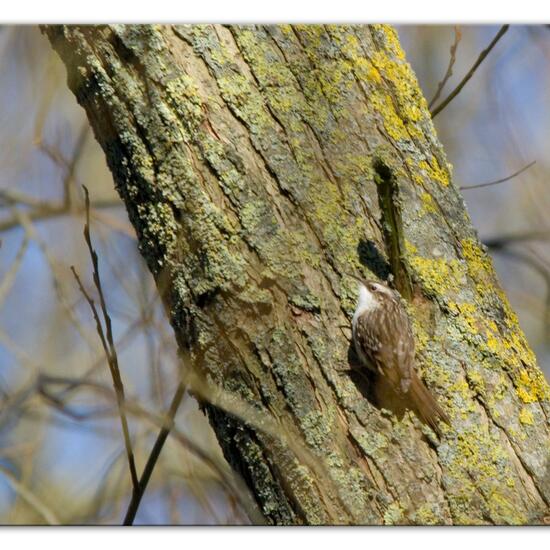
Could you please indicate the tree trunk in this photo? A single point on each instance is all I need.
(263, 168)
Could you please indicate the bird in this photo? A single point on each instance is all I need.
(384, 343)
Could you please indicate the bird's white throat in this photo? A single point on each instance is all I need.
(366, 302)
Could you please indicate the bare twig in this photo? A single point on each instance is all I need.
(29, 497)
(107, 341)
(502, 180)
(533, 262)
(73, 164)
(154, 455)
(449, 72)
(228, 481)
(13, 196)
(47, 210)
(39, 210)
(8, 280)
(24, 220)
(497, 243)
(471, 72)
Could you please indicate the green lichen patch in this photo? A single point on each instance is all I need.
(428, 514)
(373, 444)
(394, 514)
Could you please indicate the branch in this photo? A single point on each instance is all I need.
(471, 72)
(12, 196)
(9, 278)
(43, 210)
(107, 341)
(497, 243)
(29, 497)
(153, 457)
(231, 484)
(449, 72)
(502, 180)
(47, 210)
(72, 166)
(537, 266)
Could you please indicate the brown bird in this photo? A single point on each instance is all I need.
(384, 342)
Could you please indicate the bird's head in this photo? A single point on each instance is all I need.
(373, 293)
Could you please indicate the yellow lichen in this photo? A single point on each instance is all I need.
(493, 343)
(480, 267)
(392, 40)
(467, 316)
(493, 472)
(406, 96)
(434, 172)
(428, 203)
(532, 386)
(509, 344)
(461, 388)
(393, 123)
(477, 382)
(526, 416)
(501, 389)
(403, 108)
(425, 515)
(438, 275)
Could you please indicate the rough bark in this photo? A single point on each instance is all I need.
(262, 168)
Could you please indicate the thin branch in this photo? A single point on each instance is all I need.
(72, 166)
(471, 72)
(497, 243)
(30, 498)
(124, 341)
(57, 403)
(8, 280)
(153, 457)
(449, 72)
(107, 342)
(231, 483)
(23, 220)
(533, 262)
(47, 210)
(502, 180)
(43, 210)
(91, 303)
(13, 196)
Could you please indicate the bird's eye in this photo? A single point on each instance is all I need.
(372, 287)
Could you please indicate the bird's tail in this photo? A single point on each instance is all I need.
(426, 405)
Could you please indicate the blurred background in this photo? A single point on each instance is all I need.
(61, 455)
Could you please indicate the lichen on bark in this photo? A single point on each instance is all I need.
(246, 157)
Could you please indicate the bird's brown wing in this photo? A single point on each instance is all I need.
(385, 339)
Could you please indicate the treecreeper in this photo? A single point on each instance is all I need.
(384, 343)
